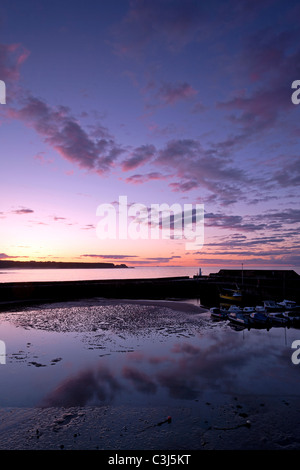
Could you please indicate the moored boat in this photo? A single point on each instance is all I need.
(239, 318)
(259, 318)
(278, 318)
(272, 306)
(218, 314)
(293, 317)
(234, 295)
(260, 309)
(289, 305)
(248, 310)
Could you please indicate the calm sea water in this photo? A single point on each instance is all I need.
(28, 275)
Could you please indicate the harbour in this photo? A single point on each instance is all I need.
(255, 286)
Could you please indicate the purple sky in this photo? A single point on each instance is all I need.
(175, 102)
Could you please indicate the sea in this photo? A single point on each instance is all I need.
(138, 272)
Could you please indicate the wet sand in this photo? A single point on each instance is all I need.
(239, 422)
(243, 424)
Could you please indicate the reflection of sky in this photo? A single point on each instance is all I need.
(173, 371)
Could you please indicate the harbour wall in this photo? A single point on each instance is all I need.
(256, 286)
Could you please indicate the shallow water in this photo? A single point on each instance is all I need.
(122, 354)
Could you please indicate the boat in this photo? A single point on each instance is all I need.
(248, 310)
(272, 306)
(289, 305)
(231, 294)
(218, 314)
(278, 318)
(259, 318)
(239, 318)
(225, 308)
(260, 309)
(235, 309)
(293, 317)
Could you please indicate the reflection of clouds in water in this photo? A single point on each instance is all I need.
(140, 380)
(216, 362)
(86, 388)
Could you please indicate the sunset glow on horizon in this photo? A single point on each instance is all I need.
(162, 102)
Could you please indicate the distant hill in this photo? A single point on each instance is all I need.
(57, 265)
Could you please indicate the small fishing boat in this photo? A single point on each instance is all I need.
(260, 309)
(272, 306)
(248, 310)
(277, 318)
(293, 317)
(235, 309)
(259, 318)
(218, 314)
(239, 318)
(289, 305)
(234, 295)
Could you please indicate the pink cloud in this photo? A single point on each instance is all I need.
(270, 59)
(138, 157)
(171, 24)
(22, 211)
(209, 169)
(141, 179)
(171, 94)
(64, 133)
(12, 56)
(259, 110)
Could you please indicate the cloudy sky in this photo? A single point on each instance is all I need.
(183, 102)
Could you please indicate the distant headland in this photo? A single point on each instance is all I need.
(57, 265)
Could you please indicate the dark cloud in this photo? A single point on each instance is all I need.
(109, 256)
(138, 157)
(64, 133)
(169, 24)
(144, 178)
(269, 69)
(206, 169)
(161, 259)
(235, 222)
(288, 216)
(289, 174)
(22, 211)
(5, 256)
(12, 56)
(170, 93)
(167, 94)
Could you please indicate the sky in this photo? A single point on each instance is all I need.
(116, 109)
